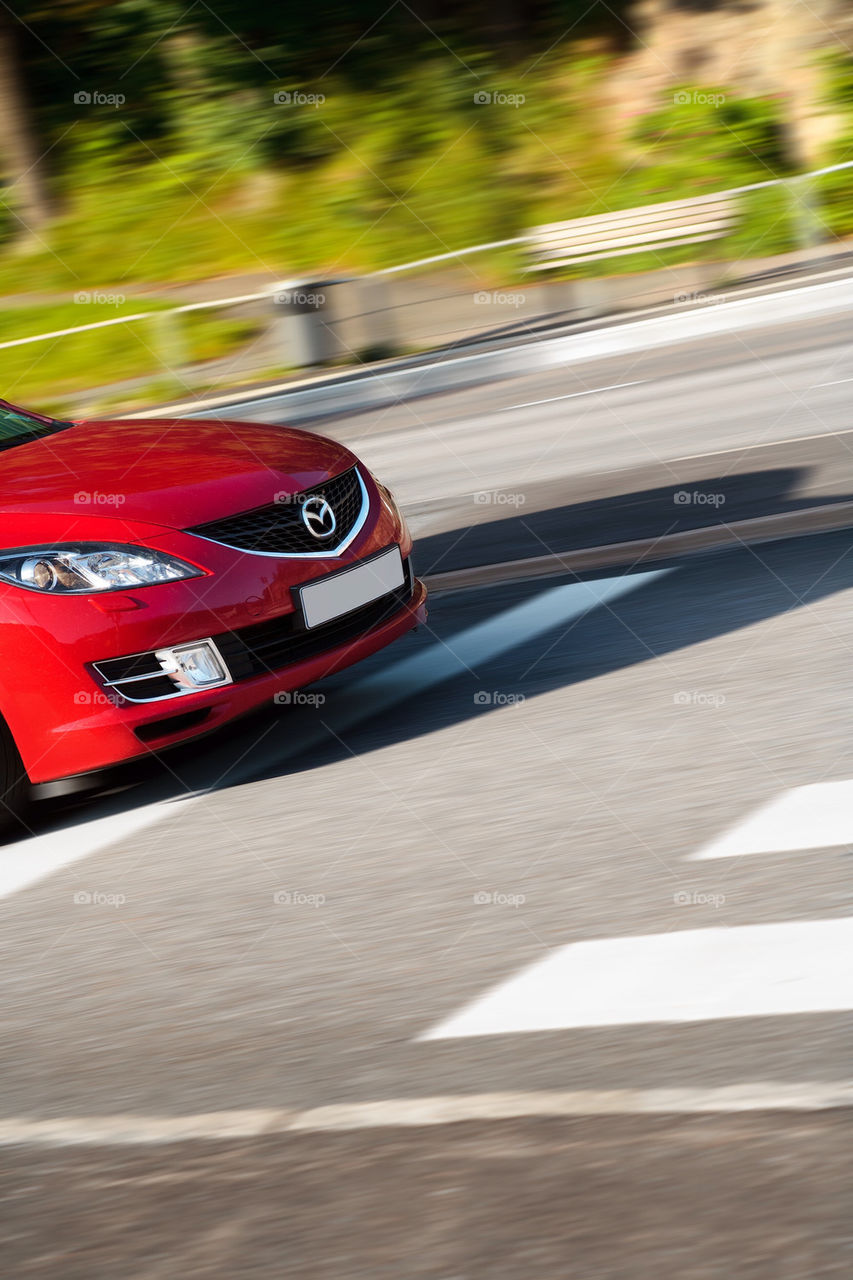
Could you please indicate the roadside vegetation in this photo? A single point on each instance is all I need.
(51, 372)
(168, 150)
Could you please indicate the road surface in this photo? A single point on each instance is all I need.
(524, 949)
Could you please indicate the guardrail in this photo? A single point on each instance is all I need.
(795, 184)
(305, 333)
(617, 235)
(153, 316)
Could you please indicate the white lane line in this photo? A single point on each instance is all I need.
(468, 649)
(753, 448)
(753, 971)
(29, 861)
(817, 816)
(404, 1113)
(572, 395)
(837, 383)
(34, 859)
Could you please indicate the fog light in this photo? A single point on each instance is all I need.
(194, 666)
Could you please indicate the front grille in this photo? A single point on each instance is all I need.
(269, 646)
(278, 528)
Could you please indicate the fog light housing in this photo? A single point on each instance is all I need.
(194, 666)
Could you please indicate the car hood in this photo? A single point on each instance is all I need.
(165, 472)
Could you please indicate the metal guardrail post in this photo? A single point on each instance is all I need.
(304, 323)
(170, 339)
(382, 335)
(807, 219)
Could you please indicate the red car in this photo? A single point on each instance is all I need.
(160, 577)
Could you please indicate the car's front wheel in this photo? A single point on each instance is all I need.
(14, 786)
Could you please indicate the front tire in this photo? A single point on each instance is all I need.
(14, 786)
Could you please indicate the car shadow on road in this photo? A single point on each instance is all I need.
(678, 605)
(559, 516)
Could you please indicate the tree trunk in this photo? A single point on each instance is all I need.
(18, 144)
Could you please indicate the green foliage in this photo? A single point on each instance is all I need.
(772, 221)
(381, 154)
(837, 69)
(364, 178)
(700, 141)
(7, 220)
(58, 368)
(834, 194)
(706, 140)
(837, 66)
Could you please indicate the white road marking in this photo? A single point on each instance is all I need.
(572, 395)
(753, 971)
(837, 383)
(30, 861)
(34, 859)
(546, 611)
(403, 1113)
(818, 816)
(753, 448)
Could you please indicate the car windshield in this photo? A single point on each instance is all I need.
(17, 427)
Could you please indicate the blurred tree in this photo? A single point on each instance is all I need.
(18, 142)
(199, 77)
(197, 83)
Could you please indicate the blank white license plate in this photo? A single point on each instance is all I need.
(340, 593)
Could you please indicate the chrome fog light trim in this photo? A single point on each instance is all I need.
(194, 666)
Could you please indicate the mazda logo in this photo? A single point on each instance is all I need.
(319, 518)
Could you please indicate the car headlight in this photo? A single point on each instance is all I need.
(89, 567)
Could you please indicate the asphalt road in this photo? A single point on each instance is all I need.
(651, 443)
(522, 950)
(628, 1199)
(291, 938)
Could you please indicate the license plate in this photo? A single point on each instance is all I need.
(352, 588)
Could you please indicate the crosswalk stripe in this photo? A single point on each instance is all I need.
(816, 816)
(694, 975)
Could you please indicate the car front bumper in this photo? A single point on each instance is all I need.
(66, 722)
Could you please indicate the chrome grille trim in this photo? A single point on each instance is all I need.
(323, 553)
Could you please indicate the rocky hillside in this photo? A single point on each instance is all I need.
(755, 47)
